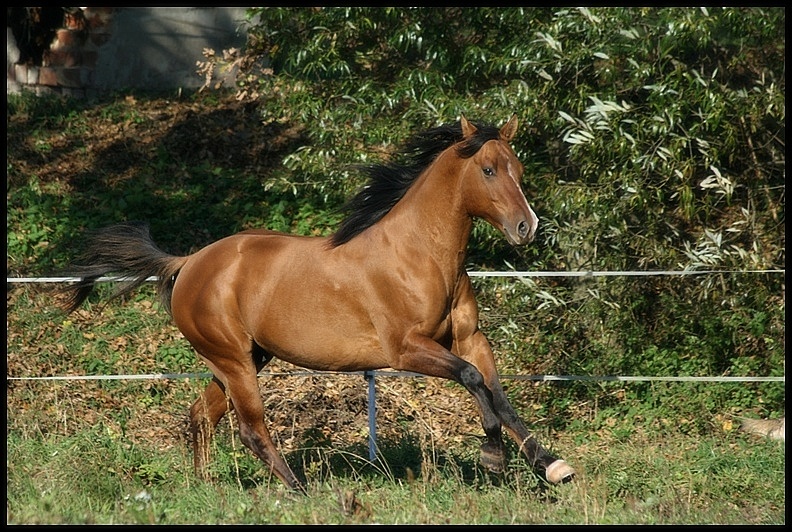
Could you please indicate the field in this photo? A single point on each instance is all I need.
(118, 450)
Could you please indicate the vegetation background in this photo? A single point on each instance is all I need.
(653, 140)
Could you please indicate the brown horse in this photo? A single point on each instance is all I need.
(388, 290)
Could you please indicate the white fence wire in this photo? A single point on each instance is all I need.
(370, 376)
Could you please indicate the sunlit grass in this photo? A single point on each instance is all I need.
(92, 476)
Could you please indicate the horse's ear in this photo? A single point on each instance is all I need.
(509, 128)
(468, 129)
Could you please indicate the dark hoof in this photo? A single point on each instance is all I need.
(559, 472)
(493, 458)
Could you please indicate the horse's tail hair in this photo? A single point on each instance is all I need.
(127, 251)
(770, 428)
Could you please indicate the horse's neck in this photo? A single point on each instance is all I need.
(432, 216)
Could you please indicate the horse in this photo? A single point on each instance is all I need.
(388, 289)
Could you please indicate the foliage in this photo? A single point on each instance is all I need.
(653, 139)
(645, 131)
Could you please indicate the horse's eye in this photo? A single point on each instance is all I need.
(488, 171)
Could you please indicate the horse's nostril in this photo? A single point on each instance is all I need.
(522, 229)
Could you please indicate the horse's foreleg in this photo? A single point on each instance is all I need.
(426, 356)
(205, 413)
(554, 470)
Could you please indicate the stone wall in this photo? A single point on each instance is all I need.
(101, 49)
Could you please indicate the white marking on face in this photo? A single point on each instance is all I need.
(534, 220)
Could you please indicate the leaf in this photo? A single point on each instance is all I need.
(543, 74)
(567, 117)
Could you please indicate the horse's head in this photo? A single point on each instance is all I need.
(491, 179)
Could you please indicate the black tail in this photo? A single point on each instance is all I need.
(125, 250)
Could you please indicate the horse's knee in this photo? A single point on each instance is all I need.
(471, 377)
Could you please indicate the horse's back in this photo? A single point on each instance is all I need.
(220, 262)
(241, 264)
(288, 293)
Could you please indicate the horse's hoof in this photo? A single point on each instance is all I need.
(493, 458)
(559, 472)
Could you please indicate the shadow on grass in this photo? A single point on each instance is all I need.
(398, 460)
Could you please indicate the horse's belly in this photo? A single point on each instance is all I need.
(325, 350)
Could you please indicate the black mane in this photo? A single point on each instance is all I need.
(388, 182)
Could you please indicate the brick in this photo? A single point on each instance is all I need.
(74, 21)
(67, 58)
(33, 75)
(19, 72)
(48, 76)
(71, 77)
(67, 40)
(27, 74)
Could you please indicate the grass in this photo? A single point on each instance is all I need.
(118, 452)
(93, 476)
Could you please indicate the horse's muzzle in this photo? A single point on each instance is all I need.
(521, 234)
(523, 230)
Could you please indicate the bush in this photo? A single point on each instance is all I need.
(653, 139)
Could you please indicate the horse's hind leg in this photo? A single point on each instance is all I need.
(236, 369)
(243, 388)
(205, 413)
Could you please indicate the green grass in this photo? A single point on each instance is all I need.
(92, 476)
(118, 452)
